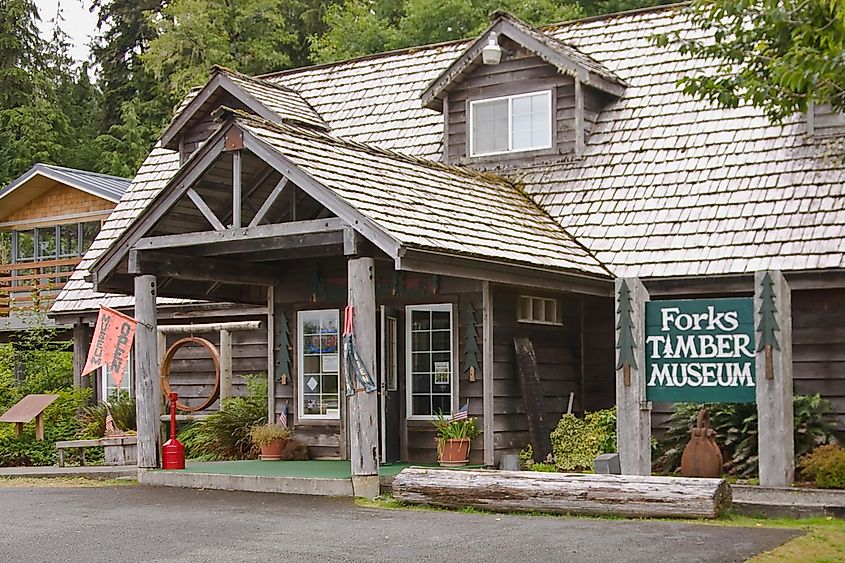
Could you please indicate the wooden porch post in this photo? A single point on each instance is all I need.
(487, 376)
(362, 415)
(81, 342)
(773, 323)
(148, 382)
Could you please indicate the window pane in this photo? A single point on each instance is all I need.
(530, 122)
(319, 363)
(490, 127)
(26, 246)
(89, 233)
(430, 369)
(47, 243)
(70, 240)
(442, 403)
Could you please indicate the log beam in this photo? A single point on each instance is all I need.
(178, 266)
(564, 493)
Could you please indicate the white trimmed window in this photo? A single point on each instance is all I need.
(540, 310)
(318, 361)
(430, 373)
(511, 124)
(107, 383)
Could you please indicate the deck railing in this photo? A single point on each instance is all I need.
(32, 286)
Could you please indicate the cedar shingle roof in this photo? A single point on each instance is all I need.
(669, 186)
(427, 205)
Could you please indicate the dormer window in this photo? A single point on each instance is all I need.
(511, 124)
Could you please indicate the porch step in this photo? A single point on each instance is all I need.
(255, 483)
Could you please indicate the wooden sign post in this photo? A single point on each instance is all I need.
(633, 411)
(773, 321)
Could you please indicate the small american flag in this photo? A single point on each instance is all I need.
(462, 413)
(111, 427)
(283, 416)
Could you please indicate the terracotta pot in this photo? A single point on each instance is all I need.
(454, 452)
(273, 450)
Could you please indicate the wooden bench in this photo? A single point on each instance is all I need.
(119, 450)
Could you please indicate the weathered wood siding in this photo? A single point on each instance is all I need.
(824, 122)
(818, 347)
(598, 353)
(523, 72)
(203, 127)
(192, 370)
(558, 360)
(58, 201)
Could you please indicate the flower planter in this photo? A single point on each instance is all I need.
(454, 452)
(273, 450)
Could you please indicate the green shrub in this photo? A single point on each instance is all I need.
(826, 466)
(736, 433)
(544, 467)
(577, 441)
(25, 450)
(526, 457)
(122, 410)
(224, 435)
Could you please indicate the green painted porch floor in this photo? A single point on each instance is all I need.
(313, 469)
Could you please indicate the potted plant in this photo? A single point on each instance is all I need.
(453, 440)
(271, 439)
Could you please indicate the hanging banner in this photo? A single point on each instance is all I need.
(700, 350)
(113, 336)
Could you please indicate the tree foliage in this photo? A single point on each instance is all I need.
(778, 55)
(361, 27)
(252, 36)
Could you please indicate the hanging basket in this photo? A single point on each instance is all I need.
(165, 371)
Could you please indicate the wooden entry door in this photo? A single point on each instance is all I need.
(389, 386)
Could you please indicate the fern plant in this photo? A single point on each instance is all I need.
(736, 433)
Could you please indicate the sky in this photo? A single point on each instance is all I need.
(79, 24)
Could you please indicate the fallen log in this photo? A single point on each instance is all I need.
(564, 493)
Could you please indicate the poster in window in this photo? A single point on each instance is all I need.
(441, 373)
(330, 363)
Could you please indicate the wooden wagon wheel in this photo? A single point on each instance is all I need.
(165, 371)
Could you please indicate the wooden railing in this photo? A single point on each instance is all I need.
(32, 285)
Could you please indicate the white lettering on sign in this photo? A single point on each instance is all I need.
(731, 374)
(711, 320)
(699, 346)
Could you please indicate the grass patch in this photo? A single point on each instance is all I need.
(63, 482)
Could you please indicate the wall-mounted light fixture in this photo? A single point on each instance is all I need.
(491, 54)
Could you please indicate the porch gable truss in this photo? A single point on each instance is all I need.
(287, 214)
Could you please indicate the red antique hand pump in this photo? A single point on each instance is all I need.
(173, 452)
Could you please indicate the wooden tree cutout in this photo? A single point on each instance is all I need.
(283, 356)
(625, 342)
(471, 349)
(768, 324)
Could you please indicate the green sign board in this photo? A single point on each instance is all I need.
(700, 350)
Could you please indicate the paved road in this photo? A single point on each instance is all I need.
(152, 524)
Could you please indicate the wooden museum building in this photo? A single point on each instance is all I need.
(454, 200)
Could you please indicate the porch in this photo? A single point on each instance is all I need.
(314, 477)
(306, 225)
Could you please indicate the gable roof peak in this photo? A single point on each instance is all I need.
(271, 100)
(566, 58)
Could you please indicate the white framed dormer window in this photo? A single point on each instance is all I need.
(511, 124)
(430, 360)
(318, 362)
(108, 386)
(539, 310)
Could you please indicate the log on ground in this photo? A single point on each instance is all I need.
(564, 493)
